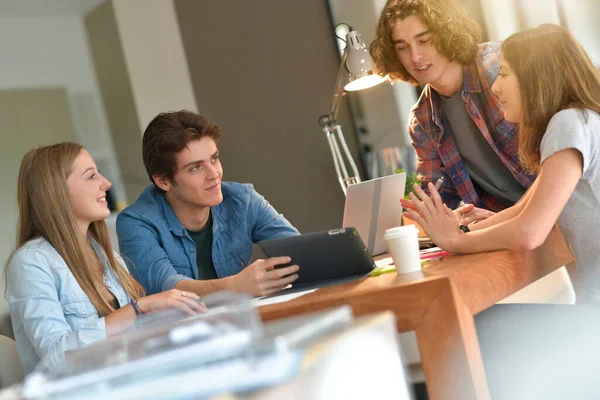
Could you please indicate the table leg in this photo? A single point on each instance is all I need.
(450, 351)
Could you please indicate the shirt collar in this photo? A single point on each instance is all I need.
(99, 252)
(471, 81)
(220, 213)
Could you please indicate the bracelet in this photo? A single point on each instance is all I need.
(136, 307)
(464, 228)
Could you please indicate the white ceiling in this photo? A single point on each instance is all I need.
(47, 8)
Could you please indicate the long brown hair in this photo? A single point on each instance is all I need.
(455, 33)
(554, 73)
(45, 211)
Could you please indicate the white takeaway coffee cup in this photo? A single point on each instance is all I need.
(403, 245)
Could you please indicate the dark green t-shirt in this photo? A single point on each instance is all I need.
(203, 239)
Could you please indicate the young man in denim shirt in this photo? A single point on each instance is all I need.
(457, 126)
(191, 231)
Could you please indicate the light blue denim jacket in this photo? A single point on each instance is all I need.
(50, 312)
(160, 252)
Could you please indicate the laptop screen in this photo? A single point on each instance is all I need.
(374, 206)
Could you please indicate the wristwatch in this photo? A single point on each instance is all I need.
(464, 228)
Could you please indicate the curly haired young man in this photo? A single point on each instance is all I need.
(457, 126)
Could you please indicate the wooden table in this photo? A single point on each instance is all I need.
(439, 303)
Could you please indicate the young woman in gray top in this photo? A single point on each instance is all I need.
(549, 85)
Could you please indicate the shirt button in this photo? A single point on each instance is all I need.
(192, 250)
(242, 264)
(83, 312)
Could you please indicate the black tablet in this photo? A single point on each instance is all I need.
(323, 256)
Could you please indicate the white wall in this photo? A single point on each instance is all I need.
(581, 17)
(49, 53)
(158, 71)
(52, 52)
(501, 18)
(537, 12)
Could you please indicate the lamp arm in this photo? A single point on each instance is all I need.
(349, 157)
(338, 161)
(338, 91)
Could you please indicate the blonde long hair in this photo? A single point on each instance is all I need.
(45, 211)
(554, 73)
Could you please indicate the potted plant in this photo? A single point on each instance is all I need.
(411, 180)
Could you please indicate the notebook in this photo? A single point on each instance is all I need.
(374, 206)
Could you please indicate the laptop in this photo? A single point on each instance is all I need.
(374, 206)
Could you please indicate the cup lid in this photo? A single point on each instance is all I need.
(400, 231)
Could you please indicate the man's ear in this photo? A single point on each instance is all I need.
(162, 182)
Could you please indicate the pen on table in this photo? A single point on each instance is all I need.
(439, 182)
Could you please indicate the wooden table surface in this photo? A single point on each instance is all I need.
(439, 303)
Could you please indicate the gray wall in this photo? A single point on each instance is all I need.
(265, 71)
(115, 88)
(30, 118)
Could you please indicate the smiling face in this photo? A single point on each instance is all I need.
(508, 91)
(87, 191)
(197, 179)
(414, 47)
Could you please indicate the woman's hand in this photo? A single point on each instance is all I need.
(465, 214)
(436, 219)
(468, 213)
(174, 298)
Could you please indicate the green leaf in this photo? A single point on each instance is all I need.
(411, 180)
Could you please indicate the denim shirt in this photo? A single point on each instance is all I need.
(160, 252)
(50, 312)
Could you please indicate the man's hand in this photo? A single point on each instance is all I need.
(261, 278)
(468, 213)
(465, 214)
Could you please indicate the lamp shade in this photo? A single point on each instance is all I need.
(360, 64)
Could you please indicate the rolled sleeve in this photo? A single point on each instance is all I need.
(265, 221)
(172, 280)
(146, 259)
(429, 164)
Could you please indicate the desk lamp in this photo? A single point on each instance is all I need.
(357, 61)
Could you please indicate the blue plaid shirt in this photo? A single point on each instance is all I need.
(437, 153)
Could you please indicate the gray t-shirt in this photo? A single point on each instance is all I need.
(483, 164)
(579, 221)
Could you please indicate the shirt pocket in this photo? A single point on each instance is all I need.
(78, 312)
(242, 255)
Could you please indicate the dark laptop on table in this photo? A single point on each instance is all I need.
(325, 258)
(342, 255)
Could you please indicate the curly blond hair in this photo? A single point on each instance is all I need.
(455, 33)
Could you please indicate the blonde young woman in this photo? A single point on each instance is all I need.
(66, 286)
(549, 85)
